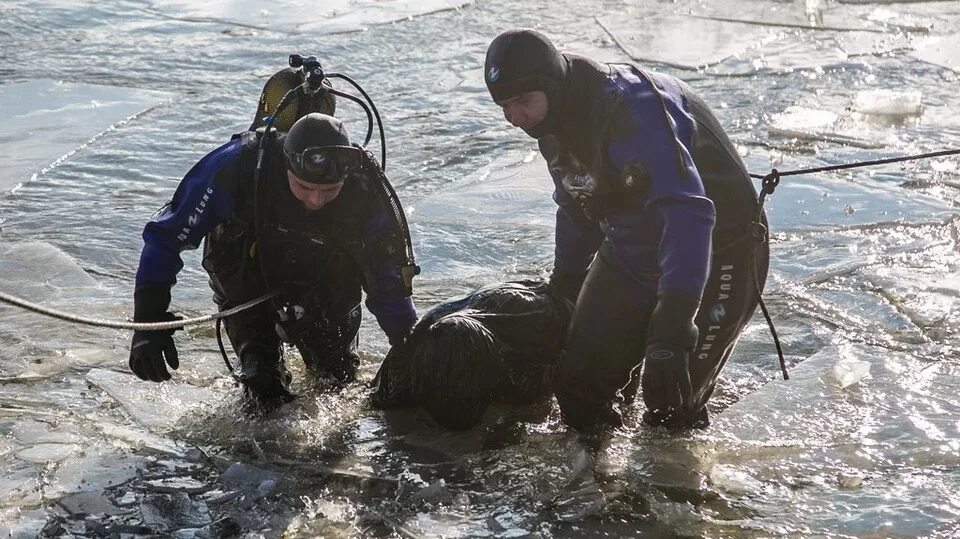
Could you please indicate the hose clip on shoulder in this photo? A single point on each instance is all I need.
(771, 181)
(408, 272)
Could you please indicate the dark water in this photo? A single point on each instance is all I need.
(864, 276)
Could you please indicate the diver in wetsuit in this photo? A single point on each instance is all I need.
(320, 225)
(659, 237)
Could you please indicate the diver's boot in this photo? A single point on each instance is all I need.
(264, 377)
(339, 371)
(338, 368)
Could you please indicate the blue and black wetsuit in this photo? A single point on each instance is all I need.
(654, 199)
(319, 259)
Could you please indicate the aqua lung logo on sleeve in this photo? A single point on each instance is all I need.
(718, 312)
(493, 74)
(194, 218)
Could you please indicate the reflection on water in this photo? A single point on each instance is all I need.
(864, 285)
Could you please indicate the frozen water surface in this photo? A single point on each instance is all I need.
(324, 17)
(109, 104)
(47, 121)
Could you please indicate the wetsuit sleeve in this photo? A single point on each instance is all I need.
(388, 296)
(652, 141)
(202, 200)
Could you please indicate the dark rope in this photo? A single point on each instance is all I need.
(768, 185)
(857, 164)
(223, 351)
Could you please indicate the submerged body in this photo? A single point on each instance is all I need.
(500, 343)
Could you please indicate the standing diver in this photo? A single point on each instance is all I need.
(319, 224)
(652, 191)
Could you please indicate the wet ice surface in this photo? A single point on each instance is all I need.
(69, 116)
(325, 17)
(864, 287)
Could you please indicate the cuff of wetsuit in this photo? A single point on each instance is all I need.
(150, 302)
(672, 321)
(396, 317)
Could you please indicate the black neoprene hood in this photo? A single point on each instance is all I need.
(312, 147)
(520, 61)
(313, 130)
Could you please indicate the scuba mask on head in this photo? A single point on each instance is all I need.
(318, 150)
(324, 164)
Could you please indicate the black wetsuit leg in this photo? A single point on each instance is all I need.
(251, 333)
(729, 301)
(606, 341)
(329, 347)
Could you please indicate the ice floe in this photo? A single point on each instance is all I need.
(152, 405)
(293, 16)
(46, 121)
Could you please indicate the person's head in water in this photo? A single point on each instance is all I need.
(524, 73)
(319, 159)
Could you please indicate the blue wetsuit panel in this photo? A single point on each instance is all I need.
(657, 137)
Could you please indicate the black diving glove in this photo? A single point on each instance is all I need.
(152, 351)
(566, 283)
(667, 389)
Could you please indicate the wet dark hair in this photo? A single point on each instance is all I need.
(455, 371)
(498, 344)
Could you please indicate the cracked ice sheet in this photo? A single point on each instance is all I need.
(808, 432)
(939, 50)
(748, 37)
(42, 273)
(46, 121)
(490, 221)
(323, 17)
(156, 406)
(811, 13)
(655, 40)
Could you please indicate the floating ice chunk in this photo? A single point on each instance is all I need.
(327, 16)
(97, 468)
(32, 270)
(903, 21)
(46, 453)
(797, 118)
(52, 120)
(169, 512)
(156, 406)
(19, 524)
(29, 431)
(823, 125)
(848, 372)
(89, 503)
(939, 50)
(872, 43)
(734, 480)
(888, 103)
(142, 440)
(512, 192)
(656, 39)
